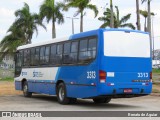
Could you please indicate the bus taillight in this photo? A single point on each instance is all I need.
(150, 75)
(102, 76)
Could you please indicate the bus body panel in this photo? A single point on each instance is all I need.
(75, 78)
(39, 80)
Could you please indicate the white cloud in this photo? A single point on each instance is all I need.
(4, 12)
(2, 31)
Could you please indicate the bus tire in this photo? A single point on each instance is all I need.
(62, 94)
(101, 100)
(25, 90)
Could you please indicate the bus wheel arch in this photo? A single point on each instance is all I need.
(61, 92)
(23, 81)
(26, 93)
(67, 100)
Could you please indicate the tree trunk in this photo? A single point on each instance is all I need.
(53, 29)
(138, 15)
(81, 22)
(112, 16)
(145, 25)
(149, 18)
(149, 27)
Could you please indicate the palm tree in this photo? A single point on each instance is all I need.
(51, 11)
(112, 15)
(138, 15)
(27, 22)
(21, 31)
(144, 13)
(149, 15)
(81, 5)
(10, 42)
(117, 21)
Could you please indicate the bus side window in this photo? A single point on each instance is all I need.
(66, 53)
(26, 57)
(53, 54)
(36, 60)
(74, 52)
(47, 53)
(87, 50)
(59, 54)
(42, 60)
(32, 57)
(83, 51)
(92, 47)
(18, 63)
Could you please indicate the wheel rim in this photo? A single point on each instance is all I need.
(61, 94)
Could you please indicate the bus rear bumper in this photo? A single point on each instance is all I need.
(121, 90)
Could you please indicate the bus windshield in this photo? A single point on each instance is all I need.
(126, 44)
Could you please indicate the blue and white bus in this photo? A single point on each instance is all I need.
(100, 64)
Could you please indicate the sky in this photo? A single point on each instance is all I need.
(8, 7)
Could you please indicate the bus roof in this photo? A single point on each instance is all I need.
(76, 36)
(43, 43)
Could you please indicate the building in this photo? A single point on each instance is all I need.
(7, 62)
(157, 54)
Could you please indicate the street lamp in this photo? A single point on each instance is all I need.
(72, 23)
(153, 36)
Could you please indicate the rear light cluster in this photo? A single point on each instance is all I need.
(151, 75)
(102, 76)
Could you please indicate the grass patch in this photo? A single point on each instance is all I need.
(7, 79)
(155, 91)
(156, 71)
(156, 83)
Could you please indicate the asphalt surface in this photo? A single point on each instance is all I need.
(49, 103)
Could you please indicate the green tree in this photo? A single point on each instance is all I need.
(117, 21)
(51, 12)
(27, 22)
(10, 42)
(144, 13)
(21, 31)
(81, 5)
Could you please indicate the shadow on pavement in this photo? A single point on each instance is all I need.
(84, 103)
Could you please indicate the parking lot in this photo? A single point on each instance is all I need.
(14, 100)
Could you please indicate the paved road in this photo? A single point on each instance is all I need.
(49, 103)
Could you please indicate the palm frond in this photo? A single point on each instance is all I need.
(125, 18)
(104, 25)
(94, 8)
(129, 25)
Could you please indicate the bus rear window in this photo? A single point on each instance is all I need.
(122, 44)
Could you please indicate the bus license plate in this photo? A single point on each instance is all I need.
(127, 90)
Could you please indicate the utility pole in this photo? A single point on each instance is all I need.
(153, 57)
(72, 23)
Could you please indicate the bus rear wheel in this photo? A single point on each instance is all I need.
(62, 94)
(101, 100)
(25, 90)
